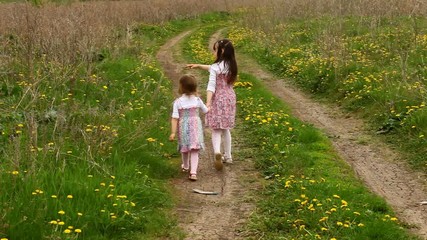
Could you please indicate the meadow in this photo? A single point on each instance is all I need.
(309, 193)
(368, 58)
(83, 150)
(79, 83)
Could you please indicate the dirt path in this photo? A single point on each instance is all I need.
(374, 162)
(218, 217)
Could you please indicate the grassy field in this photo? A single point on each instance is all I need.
(371, 65)
(78, 157)
(79, 82)
(310, 193)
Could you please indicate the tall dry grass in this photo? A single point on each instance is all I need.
(72, 33)
(275, 12)
(313, 8)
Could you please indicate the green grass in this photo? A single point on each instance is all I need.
(78, 157)
(309, 193)
(77, 152)
(83, 152)
(377, 72)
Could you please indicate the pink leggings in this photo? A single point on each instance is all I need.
(190, 158)
(216, 141)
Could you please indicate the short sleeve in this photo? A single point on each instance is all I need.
(175, 113)
(202, 105)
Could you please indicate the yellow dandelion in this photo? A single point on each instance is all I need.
(54, 196)
(61, 212)
(53, 222)
(61, 223)
(70, 196)
(67, 231)
(77, 230)
(15, 172)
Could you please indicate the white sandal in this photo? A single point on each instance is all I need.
(192, 177)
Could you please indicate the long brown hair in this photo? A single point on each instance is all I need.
(225, 52)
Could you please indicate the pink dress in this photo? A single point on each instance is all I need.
(190, 131)
(223, 106)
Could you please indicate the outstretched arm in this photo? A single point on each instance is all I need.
(201, 66)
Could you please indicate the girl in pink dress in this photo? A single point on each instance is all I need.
(187, 123)
(221, 99)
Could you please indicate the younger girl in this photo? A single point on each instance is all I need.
(187, 123)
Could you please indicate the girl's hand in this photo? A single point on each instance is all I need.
(192, 65)
(172, 137)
